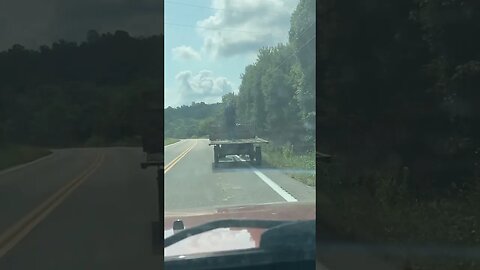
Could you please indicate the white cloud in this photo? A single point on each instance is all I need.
(186, 53)
(245, 25)
(172, 98)
(203, 86)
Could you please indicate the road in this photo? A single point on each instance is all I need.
(232, 183)
(92, 208)
(104, 223)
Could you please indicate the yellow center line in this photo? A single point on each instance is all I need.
(177, 159)
(19, 230)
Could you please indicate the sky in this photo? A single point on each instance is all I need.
(208, 44)
(33, 23)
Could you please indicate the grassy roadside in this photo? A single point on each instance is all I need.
(168, 141)
(12, 155)
(440, 224)
(386, 215)
(285, 158)
(200, 137)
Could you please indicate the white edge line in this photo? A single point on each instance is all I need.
(285, 195)
(12, 169)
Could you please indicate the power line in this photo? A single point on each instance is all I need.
(228, 30)
(204, 7)
(297, 51)
(210, 28)
(234, 30)
(305, 30)
(192, 5)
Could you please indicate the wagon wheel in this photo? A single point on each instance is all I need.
(216, 154)
(258, 155)
(251, 155)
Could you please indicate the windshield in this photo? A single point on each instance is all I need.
(239, 112)
(239, 103)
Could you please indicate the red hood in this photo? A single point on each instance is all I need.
(231, 238)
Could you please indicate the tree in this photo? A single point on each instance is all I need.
(277, 92)
(302, 37)
(68, 93)
(92, 36)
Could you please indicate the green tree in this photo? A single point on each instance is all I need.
(302, 37)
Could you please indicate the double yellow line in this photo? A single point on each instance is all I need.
(19, 230)
(177, 159)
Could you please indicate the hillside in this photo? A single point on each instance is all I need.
(194, 120)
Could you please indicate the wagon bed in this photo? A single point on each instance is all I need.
(237, 141)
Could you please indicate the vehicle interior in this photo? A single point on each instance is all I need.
(285, 245)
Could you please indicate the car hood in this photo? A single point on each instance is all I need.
(226, 239)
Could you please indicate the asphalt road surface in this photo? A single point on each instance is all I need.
(92, 208)
(193, 182)
(103, 223)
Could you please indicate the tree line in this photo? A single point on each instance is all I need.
(69, 93)
(277, 91)
(398, 92)
(195, 120)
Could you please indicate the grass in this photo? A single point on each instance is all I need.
(200, 137)
(168, 141)
(391, 217)
(12, 155)
(284, 157)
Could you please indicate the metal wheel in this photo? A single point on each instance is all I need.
(216, 154)
(251, 156)
(258, 155)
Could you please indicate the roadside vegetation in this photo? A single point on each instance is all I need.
(277, 96)
(12, 155)
(285, 158)
(168, 141)
(97, 141)
(191, 121)
(398, 107)
(380, 209)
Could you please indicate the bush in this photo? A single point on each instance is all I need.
(95, 141)
(285, 157)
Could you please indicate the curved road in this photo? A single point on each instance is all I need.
(92, 208)
(104, 222)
